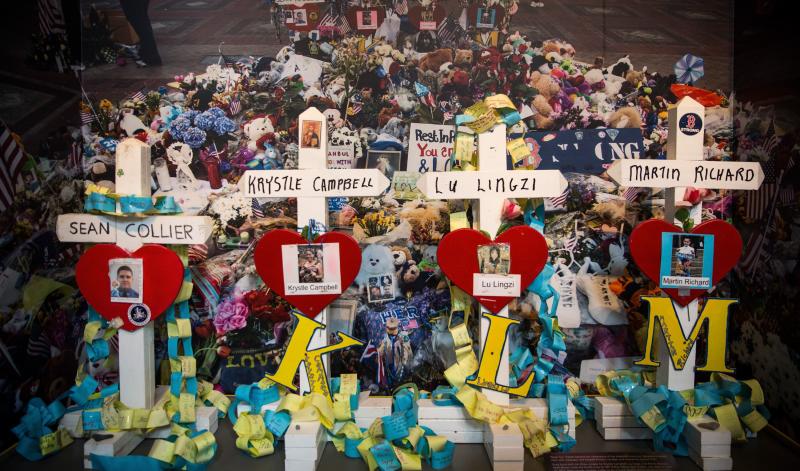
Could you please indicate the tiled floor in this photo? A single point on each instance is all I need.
(654, 32)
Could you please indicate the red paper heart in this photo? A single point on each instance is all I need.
(645, 246)
(161, 280)
(458, 259)
(268, 257)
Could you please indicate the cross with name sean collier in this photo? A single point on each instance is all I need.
(491, 184)
(311, 184)
(136, 354)
(684, 167)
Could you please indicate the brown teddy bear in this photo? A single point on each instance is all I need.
(463, 57)
(401, 255)
(562, 48)
(548, 87)
(627, 117)
(433, 61)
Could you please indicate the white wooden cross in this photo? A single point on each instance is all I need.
(684, 167)
(311, 184)
(136, 355)
(482, 186)
(497, 439)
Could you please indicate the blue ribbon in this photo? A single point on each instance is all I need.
(35, 424)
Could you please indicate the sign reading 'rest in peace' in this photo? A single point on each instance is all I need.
(683, 173)
(473, 185)
(322, 183)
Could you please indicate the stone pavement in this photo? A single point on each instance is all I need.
(654, 32)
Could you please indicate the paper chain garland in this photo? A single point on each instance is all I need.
(102, 410)
(731, 402)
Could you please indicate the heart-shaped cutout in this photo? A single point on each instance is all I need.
(158, 283)
(645, 245)
(458, 259)
(269, 259)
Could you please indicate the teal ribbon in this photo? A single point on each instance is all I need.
(147, 463)
(98, 202)
(164, 205)
(253, 395)
(335, 385)
(135, 204)
(39, 420)
(167, 205)
(667, 437)
(557, 403)
(445, 396)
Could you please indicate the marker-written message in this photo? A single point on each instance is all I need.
(430, 147)
(323, 183)
(473, 185)
(682, 173)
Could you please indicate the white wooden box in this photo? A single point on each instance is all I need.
(303, 435)
(373, 407)
(504, 453)
(503, 436)
(620, 421)
(247, 408)
(119, 444)
(698, 436)
(711, 463)
(626, 433)
(610, 407)
(429, 410)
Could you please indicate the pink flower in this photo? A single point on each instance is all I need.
(231, 315)
(511, 210)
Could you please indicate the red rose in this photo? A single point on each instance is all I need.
(223, 351)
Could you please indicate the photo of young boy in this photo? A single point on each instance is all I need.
(125, 275)
(494, 259)
(687, 255)
(310, 264)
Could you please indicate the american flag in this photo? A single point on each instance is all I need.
(198, 253)
(50, 18)
(369, 351)
(630, 194)
(235, 107)
(560, 201)
(11, 159)
(449, 32)
(76, 154)
(758, 200)
(753, 253)
(138, 96)
(86, 117)
(571, 242)
(787, 197)
(401, 7)
(258, 212)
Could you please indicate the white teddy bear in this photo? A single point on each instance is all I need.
(255, 129)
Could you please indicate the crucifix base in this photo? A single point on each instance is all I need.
(304, 443)
(122, 443)
(709, 449)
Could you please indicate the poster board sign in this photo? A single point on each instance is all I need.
(430, 147)
(589, 151)
(341, 156)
